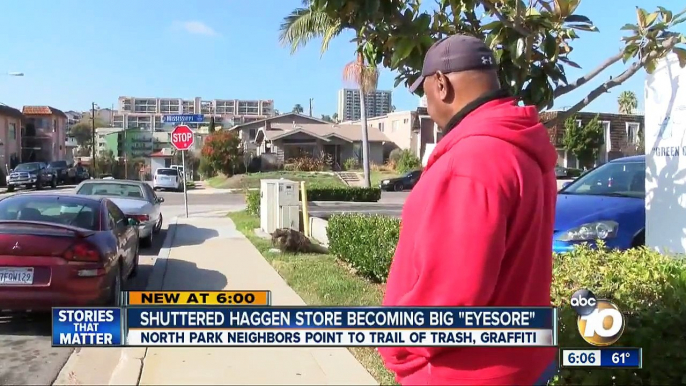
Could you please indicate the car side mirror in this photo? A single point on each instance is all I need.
(160, 199)
(132, 221)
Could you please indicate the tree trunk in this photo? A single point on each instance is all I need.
(365, 141)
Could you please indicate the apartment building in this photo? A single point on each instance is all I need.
(134, 112)
(44, 135)
(133, 143)
(10, 137)
(377, 103)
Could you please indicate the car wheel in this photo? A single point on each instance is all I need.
(115, 288)
(158, 226)
(147, 242)
(39, 185)
(398, 186)
(53, 184)
(10, 188)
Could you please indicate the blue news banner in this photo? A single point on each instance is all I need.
(306, 326)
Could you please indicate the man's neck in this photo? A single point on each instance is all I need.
(473, 105)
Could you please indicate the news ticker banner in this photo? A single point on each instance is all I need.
(619, 357)
(166, 321)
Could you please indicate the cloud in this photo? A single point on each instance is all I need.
(196, 28)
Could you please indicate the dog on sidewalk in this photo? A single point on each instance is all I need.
(289, 240)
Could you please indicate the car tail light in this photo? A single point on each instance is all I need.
(140, 217)
(82, 251)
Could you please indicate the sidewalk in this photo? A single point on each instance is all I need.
(206, 253)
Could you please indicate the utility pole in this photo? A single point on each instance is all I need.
(93, 106)
(311, 99)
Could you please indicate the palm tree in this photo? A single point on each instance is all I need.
(627, 102)
(305, 24)
(298, 109)
(334, 117)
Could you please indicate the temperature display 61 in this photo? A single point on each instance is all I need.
(618, 357)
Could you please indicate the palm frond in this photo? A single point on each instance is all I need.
(362, 75)
(304, 24)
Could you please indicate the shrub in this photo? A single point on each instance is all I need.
(305, 164)
(252, 200)
(649, 288)
(394, 155)
(365, 242)
(351, 164)
(574, 173)
(408, 162)
(354, 194)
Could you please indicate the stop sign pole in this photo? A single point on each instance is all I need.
(182, 138)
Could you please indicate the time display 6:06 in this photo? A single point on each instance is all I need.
(580, 358)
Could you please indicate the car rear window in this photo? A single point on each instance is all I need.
(167, 172)
(110, 189)
(53, 210)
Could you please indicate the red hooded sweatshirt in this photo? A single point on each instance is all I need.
(477, 230)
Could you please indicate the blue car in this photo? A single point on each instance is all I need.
(607, 203)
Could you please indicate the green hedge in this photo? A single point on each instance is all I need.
(649, 288)
(343, 194)
(252, 199)
(366, 242)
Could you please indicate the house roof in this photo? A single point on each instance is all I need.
(10, 112)
(43, 110)
(346, 132)
(317, 120)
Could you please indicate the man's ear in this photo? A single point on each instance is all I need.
(443, 86)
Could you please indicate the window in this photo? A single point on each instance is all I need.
(111, 189)
(381, 128)
(54, 125)
(67, 211)
(632, 132)
(405, 121)
(13, 131)
(394, 126)
(606, 135)
(116, 217)
(612, 179)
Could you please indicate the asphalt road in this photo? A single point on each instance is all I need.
(26, 357)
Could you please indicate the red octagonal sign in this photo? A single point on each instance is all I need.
(182, 137)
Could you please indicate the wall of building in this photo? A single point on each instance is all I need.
(10, 136)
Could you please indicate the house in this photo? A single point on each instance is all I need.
(10, 136)
(45, 134)
(288, 136)
(408, 130)
(621, 133)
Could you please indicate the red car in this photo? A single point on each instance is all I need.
(64, 250)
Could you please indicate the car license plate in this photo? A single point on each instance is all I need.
(16, 276)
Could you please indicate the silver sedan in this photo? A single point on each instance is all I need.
(135, 198)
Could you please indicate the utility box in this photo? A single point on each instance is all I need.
(279, 205)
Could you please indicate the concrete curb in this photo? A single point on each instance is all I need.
(90, 365)
(318, 230)
(345, 203)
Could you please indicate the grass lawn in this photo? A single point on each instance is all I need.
(252, 180)
(322, 280)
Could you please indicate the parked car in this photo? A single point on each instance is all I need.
(82, 173)
(65, 172)
(406, 181)
(64, 250)
(31, 174)
(135, 198)
(167, 178)
(561, 172)
(606, 203)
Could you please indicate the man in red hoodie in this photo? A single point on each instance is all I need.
(477, 228)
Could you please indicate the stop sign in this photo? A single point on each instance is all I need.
(182, 137)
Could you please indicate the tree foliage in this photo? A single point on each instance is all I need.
(83, 131)
(584, 141)
(222, 151)
(298, 108)
(327, 118)
(532, 41)
(627, 102)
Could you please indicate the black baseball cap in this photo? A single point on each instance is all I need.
(455, 53)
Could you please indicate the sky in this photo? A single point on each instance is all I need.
(74, 52)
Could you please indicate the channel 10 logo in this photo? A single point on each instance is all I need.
(600, 322)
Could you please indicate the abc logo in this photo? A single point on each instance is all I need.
(600, 322)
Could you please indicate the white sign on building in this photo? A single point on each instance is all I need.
(665, 147)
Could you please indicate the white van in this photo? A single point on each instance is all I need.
(167, 178)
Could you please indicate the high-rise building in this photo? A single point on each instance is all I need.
(377, 103)
(134, 112)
